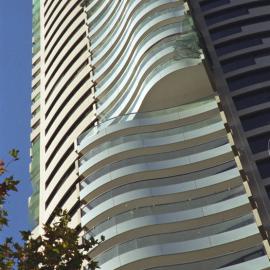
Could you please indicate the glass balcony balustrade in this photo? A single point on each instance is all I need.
(183, 133)
(160, 187)
(141, 29)
(182, 236)
(166, 213)
(181, 111)
(185, 205)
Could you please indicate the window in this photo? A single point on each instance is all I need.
(264, 167)
(249, 78)
(252, 98)
(225, 14)
(237, 44)
(237, 63)
(211, 4)
(256, 120)
(224, 32)
(259, 143)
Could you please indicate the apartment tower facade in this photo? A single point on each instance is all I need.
(129, 136)
(236, 40)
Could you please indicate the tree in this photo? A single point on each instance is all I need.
(59, 248)
(6, 185)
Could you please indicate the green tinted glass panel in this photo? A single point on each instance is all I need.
(36, 26)
(35, 177)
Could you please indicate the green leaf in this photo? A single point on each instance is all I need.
(9, 240)
(57, 249)
(10, 264)
(14, 153)
(25, 235)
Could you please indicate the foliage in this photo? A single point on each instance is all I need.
(59, 247)
(6, 185)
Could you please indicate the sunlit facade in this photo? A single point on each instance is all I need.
(129, 137)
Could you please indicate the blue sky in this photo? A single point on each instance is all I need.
(15, 90)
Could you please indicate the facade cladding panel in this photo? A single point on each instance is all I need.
(130, 138)
(236, 40)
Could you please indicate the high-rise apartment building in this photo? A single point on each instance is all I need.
(130, 137)
(236, 37)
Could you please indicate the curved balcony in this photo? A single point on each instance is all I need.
(123, 71)
(143, 248)
(185, 209)
(111, 33)
(260, 261)
(144, 119)
(97, 32)
(184, 161)
(162, 187)
(155, 141)
(99, 17)
(126, 27)
(93, 6)
(173, 208)
(132, 99)
(171, 168)
(108, 163)
(158, 38)
(119, 94)
(224, 205)
(178, 236)
(120, 54)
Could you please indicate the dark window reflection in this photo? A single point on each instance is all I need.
(225, 14)
(237, 63)
(264, 167)
(210, 4)
(259, 143)
(253, 98)
(220, 33)
(256, 120)
(249, 78)
(236, 45)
